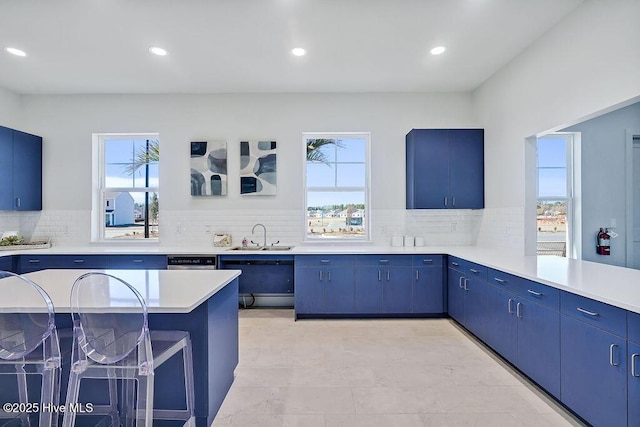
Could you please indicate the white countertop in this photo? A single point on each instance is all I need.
(164, 291)
(617, 286)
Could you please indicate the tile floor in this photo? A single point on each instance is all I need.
(387, 373)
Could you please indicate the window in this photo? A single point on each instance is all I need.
(337, 186)
(555, 195)
(126, 187)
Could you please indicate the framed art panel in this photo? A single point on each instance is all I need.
(209, 168)
(258, 168)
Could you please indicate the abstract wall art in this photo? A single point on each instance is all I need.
(209, 168)
(258, 168)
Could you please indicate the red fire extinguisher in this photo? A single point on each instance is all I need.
(603, 242)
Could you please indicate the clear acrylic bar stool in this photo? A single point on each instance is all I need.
(29, 345)
(112, 341)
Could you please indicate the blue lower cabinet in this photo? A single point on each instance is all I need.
(634, 384)
(593, 368)
(6, 263)
(339, 291)
(368, 290)
(31, 263)
(501, 323)
(475, 306)
(428, 297)
(455, 295)
(309, 297)
(539, 344)
(397, 290)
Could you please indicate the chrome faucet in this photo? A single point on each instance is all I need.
(264, 244)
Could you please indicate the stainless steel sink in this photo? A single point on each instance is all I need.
(261, 248)
(277, 248)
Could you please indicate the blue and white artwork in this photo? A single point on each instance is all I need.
(258, 168)
(209, 168)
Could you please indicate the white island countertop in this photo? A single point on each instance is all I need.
(164, 291)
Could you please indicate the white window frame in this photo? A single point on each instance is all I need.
(366, 189)
(572, 166)
(98, 173)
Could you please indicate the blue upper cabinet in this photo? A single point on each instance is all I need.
(20, 171)
(445, 169)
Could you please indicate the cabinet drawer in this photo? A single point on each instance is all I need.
(506, 281)
(599, 314)
(29, 263)
(426, 260)
(383, 260)
(456, 263)
(471, 269)
(157, 262)
(6, 263)
(323, 260)
(542, 294)
(81, 261)
(633, 324)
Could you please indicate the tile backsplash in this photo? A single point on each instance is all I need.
(195, 228)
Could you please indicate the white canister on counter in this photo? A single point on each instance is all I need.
(408, 240)
(419, 241)
(396, 240)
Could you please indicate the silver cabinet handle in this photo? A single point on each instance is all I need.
(633, 365)
(460, 282)
(465, 284)
(138, 261)
(18, 201)
(455, 264)
(383, 261)
(499, 280)
(509, 309)
(34, 261)
(453, 201)
(474, 271)
(379, 275)
(329, 275)
(518, 305)
(445, 201)
(590, 313)
(417, 273)
(611, 362)
(78, 261)
(388, 275)
(320, 274)
(538, 294)
(325, 261)
(427, 261)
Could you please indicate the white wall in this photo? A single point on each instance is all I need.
(67, 123)
(588, 62)
(9, 109)
(604, 149)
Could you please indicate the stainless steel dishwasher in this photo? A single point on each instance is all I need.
(191, 262)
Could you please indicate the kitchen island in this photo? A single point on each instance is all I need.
(202, 302)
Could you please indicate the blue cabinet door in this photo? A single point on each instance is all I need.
(308, 296)
(466, 168)
(634, 384)
(6, 168)
(6, 263)
(539, 344)
(427, 164)
(134, 262)
(338, 289)
(368, 289)
(475, 306)
(428, 297)
(501, 324)
(27, 171)
(593, 373)
(455, 294)
(397, 290)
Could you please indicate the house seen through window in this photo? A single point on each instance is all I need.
(337, 186)
(128, 186)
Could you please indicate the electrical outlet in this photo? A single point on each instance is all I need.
(454, 226)
(207, 229)
(178, 229)
(383, 229)
(507, 231)
(614, 223)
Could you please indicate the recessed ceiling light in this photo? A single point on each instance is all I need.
(438, 50)
(16, 52)
(157, 51)
(298, 51)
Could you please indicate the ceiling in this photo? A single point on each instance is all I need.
(243, 46)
